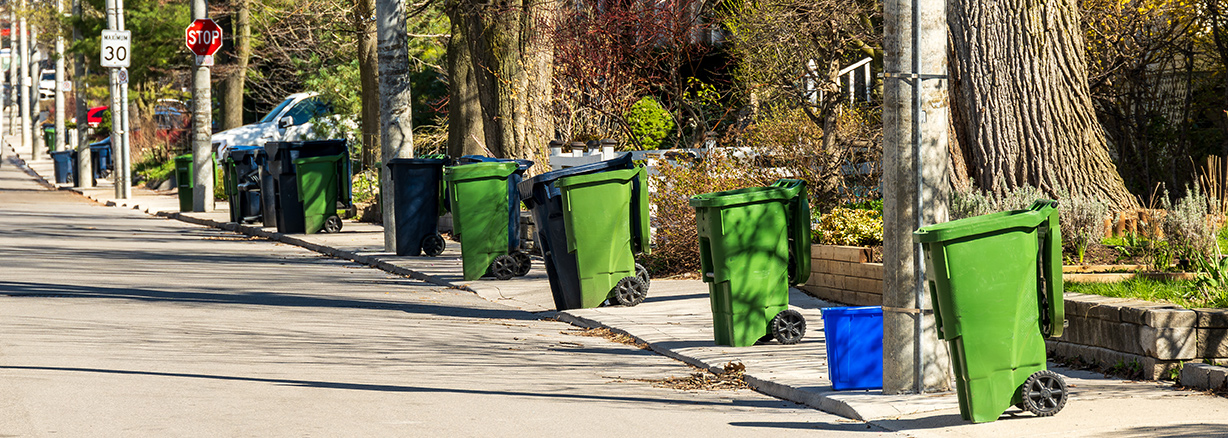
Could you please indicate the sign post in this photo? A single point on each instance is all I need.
(203, 37)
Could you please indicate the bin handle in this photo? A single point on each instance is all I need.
(797, 209)
(1049, 275)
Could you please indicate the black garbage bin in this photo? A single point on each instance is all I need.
(64, 163)
(287, 202)
(241, 169)
(418, 189)
(545, 203)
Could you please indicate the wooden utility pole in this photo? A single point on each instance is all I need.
(61, 136)
(24, 100)
(85, 162)
(396, 121)
(202, 123)
(915, 157)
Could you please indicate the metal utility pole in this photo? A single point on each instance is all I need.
(119, 150)
(14, 73)
(915, 190)
(123, 161)
(60, 134)
(85, 162)
(396, 122)
(202, 123)
(24, 101)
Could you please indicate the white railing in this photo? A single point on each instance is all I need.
(856, 81)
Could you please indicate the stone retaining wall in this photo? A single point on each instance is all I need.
(843, 274)
(1157, 336)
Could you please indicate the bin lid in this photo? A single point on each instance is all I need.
(522, 164)
(417, 161)
(591, 178)
(748, 195)
(104, 143)
(479, 170)
(848, 311)
(320, 159)
(526, 187)
(989, 223)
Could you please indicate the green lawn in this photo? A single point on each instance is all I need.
(1180, 292)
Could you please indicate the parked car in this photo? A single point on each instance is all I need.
(291, 120)
(46, 84)
(93, 117)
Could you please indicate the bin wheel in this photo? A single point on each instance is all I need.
(332, 224)
(433, 245)
(504, 267)
(788, 327)
(1044, 393)
(630, 291)
(523, 263)
(642, 273)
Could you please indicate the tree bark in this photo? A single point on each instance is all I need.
(368, 69)
(395, 102)
(1023, 107)
(511, 57)
(466, 135)
(232, 89)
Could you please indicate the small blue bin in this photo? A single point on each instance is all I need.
(854, 347)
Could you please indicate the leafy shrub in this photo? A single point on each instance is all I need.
(1186, 227)
(366, 186)
(846, 226)
(650, 123)
(676, 239)
(872, 204)
(1082, 222)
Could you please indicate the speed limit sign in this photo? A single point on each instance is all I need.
(116, 48)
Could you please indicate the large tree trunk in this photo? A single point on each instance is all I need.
(511, 54)
(232, 87)
(466, 135)
(368, 69)
(1023, 109)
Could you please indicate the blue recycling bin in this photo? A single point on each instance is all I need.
(545, 204)
(418, 190)
(64, 163)
(100, 156)
(854, 338)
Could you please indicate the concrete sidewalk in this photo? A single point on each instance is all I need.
(674, 320)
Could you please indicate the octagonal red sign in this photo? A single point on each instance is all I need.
(203, 37)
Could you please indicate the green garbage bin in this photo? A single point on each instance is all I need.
(597, 216)
(478, 194)
(996, 284)
(49, 137)
(318, 190)
(753, 244)
(183, 176)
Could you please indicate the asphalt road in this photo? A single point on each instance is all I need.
(114, 323)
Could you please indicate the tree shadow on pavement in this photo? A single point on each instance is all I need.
(766, 403)
(1172, 431)
(44, 290)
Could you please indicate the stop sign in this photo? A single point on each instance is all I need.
(203, 37)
